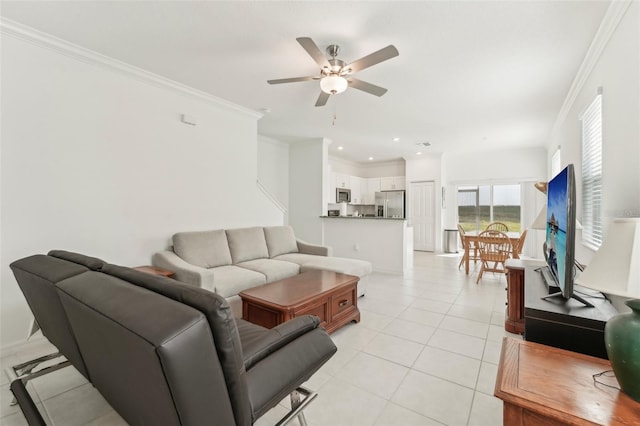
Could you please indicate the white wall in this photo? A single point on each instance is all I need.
(308, 168)
(367, 170)
(528, 164)
(273, 168)
(95, 159)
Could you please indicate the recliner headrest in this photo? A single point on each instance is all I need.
(92, 263)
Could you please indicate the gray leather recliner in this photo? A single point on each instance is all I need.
(162, 352)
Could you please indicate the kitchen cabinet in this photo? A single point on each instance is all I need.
(392, 183)
(342, 181)
(363, 190)
(337, 180)
(356, 189)
(373, 186)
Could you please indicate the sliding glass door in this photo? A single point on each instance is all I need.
(479, 205)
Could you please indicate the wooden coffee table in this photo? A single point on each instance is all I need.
(329, 295)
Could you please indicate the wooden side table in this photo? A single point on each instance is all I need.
(514, 315)
(155, 270)
(542, 385)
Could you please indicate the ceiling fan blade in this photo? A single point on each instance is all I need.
(322, 99)
(367, 87)
(313, 51)
(291, 80)
(374, 58)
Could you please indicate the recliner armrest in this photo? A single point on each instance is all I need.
(184, 271)
(317, 250)
(258, 343)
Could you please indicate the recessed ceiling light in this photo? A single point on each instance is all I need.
(419, 153)
(370, 158)
(340, 148)
(396, 139)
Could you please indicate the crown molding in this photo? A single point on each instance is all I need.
(63, 47)
(273, 141)
(609, 23)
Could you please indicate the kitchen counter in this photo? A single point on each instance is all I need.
(385, 242)
(363, 217)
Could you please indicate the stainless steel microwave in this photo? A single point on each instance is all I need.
(343, 195)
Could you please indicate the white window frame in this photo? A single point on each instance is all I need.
(591, 121)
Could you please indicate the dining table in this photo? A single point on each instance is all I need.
(472, 236)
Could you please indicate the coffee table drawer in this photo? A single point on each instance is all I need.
(320, 310)
(342, 302)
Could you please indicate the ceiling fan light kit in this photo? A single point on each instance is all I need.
(335, 74)
(333, 84)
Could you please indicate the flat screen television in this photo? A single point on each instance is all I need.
(559, 246)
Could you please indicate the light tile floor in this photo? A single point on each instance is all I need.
(425, 353)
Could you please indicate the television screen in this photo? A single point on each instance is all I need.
(559, 243)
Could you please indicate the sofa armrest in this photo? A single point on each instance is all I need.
(261, 343)
(185, 272)
(307, 248)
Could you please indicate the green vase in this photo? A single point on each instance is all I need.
(622, 338)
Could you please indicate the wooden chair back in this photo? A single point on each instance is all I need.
(473, 247)
(520, 245)
(495, 248)
(461, 233)
(497, 226)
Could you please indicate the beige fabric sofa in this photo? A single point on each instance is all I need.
(229, 261)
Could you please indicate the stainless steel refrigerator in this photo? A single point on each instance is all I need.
(390, 204)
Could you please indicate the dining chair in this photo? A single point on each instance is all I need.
(495, 248)
(518, 249)
(472, 247)
(497, 226)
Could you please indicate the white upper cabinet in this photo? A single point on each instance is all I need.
(392, 183)
(363, 190)
(356, 189)
(373, 186)
(343, 181)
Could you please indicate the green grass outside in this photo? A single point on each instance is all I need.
(509, 215)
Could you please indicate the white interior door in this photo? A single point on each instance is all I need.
(423, 215)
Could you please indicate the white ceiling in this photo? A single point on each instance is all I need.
(471, 75)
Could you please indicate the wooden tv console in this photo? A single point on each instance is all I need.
(566, 324)
(543, 386)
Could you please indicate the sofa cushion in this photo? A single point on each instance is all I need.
(273, 269)
(230, 280)
(280, 240)
(299, 258)
(360, 268)
(206, 249)
(247, 244)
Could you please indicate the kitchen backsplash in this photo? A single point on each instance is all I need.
(362, 209)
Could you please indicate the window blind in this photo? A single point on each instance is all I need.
(592, 174)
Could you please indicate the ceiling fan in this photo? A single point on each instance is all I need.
(335, 74)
